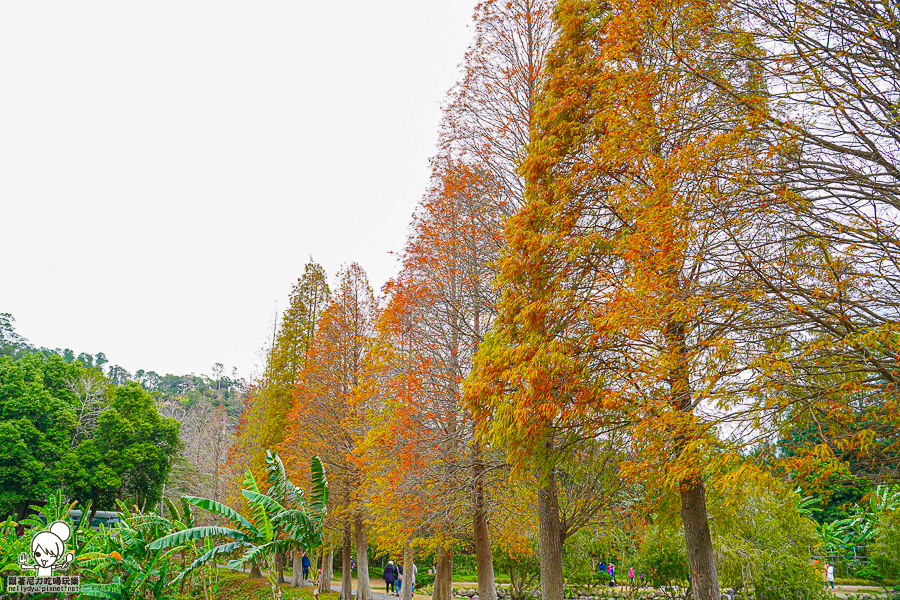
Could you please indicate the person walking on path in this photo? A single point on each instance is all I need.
(631, 575)
(305, 567)
(411, 578)
(829, 574)
(390, 576)
(612, 575)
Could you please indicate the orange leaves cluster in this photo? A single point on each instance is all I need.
(616, 277)
(329, 407)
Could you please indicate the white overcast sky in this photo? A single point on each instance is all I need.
(167, 167)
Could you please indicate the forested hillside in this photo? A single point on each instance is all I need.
(70, 419)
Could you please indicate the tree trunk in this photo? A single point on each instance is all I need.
(255, 573)
(702, 562)
(443, 578)
(487, 589)
(697, 538)
(363, 587)
(296, 568)
(279, 567)
(346, 584)
(327, 571)
(552, 585)
(95, 502)
(406, 587)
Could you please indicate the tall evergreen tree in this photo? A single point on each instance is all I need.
(263, 424)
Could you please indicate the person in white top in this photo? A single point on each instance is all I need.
(829, 574)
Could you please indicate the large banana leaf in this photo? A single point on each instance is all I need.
(221, 509)
(187, 516)
(82, 523)
(174, 513)
(145, 573)
(208, 556)
(196, 533)
(260, 515)
(112, 591)
(318, 497)
(272, 506)
(254, 554)
(279, 483)
(305, 531)
(126, 514)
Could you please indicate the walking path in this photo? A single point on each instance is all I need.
(336, 587)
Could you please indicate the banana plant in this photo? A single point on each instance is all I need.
(833, 536)
(300, 518)
(11, 546)
(862, 525)
(120, 565)
(278, 520)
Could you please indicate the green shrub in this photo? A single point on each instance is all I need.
(763, 540)
(885, 551)
(788, 580)
(662, 558)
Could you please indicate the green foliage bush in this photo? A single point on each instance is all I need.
(763, 541)
(464, 559)
(112, 563)
(661, 557)
(521, 571)
(885, 550)
(578, 560)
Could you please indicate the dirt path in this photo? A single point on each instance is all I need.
(377, 586)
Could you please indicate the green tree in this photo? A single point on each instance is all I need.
(129, 453)
(263, 425)
(764, 540)
(11, 343)
(118, 375)
(309, 298)
(36, 423)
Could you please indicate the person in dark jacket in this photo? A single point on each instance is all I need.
(390, 577)
(305, 567)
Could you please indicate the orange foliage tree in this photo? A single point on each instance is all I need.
(329, 417)
(828, 263)
(486, 128)
(622, 307)
(421, 446)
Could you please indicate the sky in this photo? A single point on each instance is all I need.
(168, 167)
